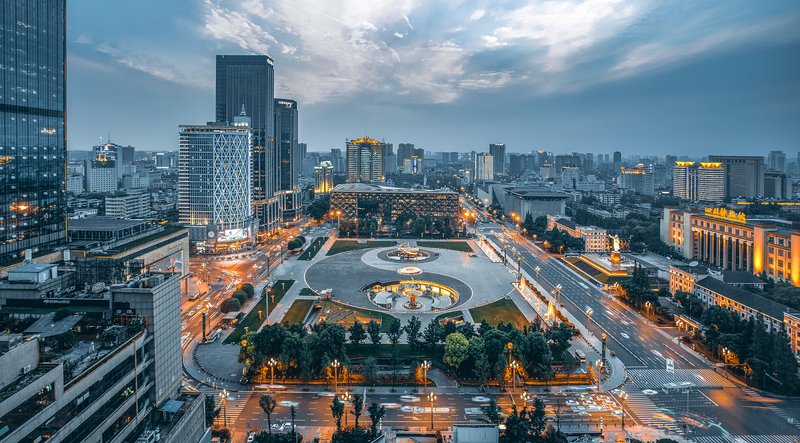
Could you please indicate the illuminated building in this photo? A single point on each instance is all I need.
(594, 239)
(498, 151)
(249, 81)
(484, 167)
(289, 196)
(731, 241)
(704, 181)
(744, 175)
(214, 194)
(33, 141)
(414, 165)
(638, 179)
(365, 161)
(390, 201)
(323, 179)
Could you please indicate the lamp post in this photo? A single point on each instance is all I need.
(537, 269)
(599, 366)
(335, 364)
(623, 396)
(346, 398)
(425, 366)
(589, 312)
(647, 306)
(431, 397)
(224, 397)
(514, 365)
(272, 362)
(525, 397)
(558, 294)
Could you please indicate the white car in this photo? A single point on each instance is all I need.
(251, 436)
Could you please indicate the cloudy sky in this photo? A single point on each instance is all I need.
(638, 76)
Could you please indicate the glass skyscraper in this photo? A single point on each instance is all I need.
(249, 81)
(32, 126)
(289, 157)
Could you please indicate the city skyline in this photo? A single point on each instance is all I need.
(635, 77)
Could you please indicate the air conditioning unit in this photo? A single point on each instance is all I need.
(26, 369)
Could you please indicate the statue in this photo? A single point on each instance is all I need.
(616, 258)
(615, 238)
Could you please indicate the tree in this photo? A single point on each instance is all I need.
(230, 305)
(517, 427)
(357, 333)
(211, 410)
(560, 339)
(395, 331)
(374, 332)
(492, 411)
(248, 289)
(554, 435)
(370, 370)
(432, 333)
(456, 349)
(319, 208)
(480, 362)
(375, 412)
(412, 329)
(358, 408)
(537, 418)
(337, 411)
(268, 404)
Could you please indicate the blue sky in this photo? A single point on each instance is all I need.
(677, 77)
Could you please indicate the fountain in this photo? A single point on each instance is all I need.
(406, 252)
(412, 292)
(412, 295)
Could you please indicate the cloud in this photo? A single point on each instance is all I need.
(477, 15)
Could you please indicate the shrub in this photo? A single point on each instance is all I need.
(248, 289)
(230, 305)
(241, 296)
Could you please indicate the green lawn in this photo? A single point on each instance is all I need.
(313, 248)
(460, 246)
(298, 311)
(502, 310)
(307, 291)
(276, 293)
(351, 245)
(251, 321)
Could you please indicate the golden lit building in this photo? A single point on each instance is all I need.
(704, 181)
(594, 239)
(729, 240)
(354, 200)
(323, 179)
(365, 160)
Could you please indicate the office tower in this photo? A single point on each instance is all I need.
(323, 179)
(214, 188)
(33, 137)
(390, 164)
(404, 151)
(777, 185)
(660, 175)
(337, 160)
(517, 164)
(102, 175)
(484, 167)
(638, 179)
(414, 165)
(617, 162)
(290, 161)
(570, 176)
(744, 175)
(498, 152)
(364, 161)
(587, 163)
(248, 81)
(776, 161)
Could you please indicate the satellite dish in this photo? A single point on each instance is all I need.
(693, 264)
(98, 287)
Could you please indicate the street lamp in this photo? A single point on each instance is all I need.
(514, 365)
(558, 294)
(623, 396)
(425, 366)
(599, 365)
(272, 362)
(224, 398)
(335, 364)
(346, 398)
(431, 397)
(589, 312)
(525, 397)
(647, 307)
(537, 269)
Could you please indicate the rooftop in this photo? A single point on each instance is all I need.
(745, 297)
(103, 223)
(741, 277)
(536, 193)
(364, 187)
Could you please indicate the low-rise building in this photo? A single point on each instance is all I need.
(128, 206)
(594, 239)
(714, 292)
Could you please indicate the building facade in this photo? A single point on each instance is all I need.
(777, 185)
(214, 187)
(286, 132)
(365, 161)
(730, 241)
(33, 141)
(348, 198)
(744, 175)
(594, 239)
(248, 81)
(498, 151)
(323, 179)
(128, 206)
(704, 181)
(638, 179)
(484, 167)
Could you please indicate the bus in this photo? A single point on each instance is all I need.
(580, 355)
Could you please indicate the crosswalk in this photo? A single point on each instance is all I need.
(747, 439)
(648, 414)
(777, 410)
(232, 408)
(700, 378)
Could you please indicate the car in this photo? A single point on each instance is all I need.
(251, 437)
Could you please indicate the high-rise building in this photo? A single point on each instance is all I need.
(570, 176)
(101, 175)
(517, 163)
(704, 181)
(404, 151)
(617, 162)
(744, 175)
(638, 179)
(286, 131)
(365, 161)
(214, 188)
(33, 140)
(323, 179)
(249, 81)
(777, 185)
(337, 160)
(498, 151)
(776, 161)
(484, 167)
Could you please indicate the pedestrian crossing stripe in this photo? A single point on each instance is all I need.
(644, 411)
(747, 439)
(700, 378)
(230, 412)
(777, 410)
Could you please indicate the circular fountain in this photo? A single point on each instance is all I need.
(407, 252)
(412, 295)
